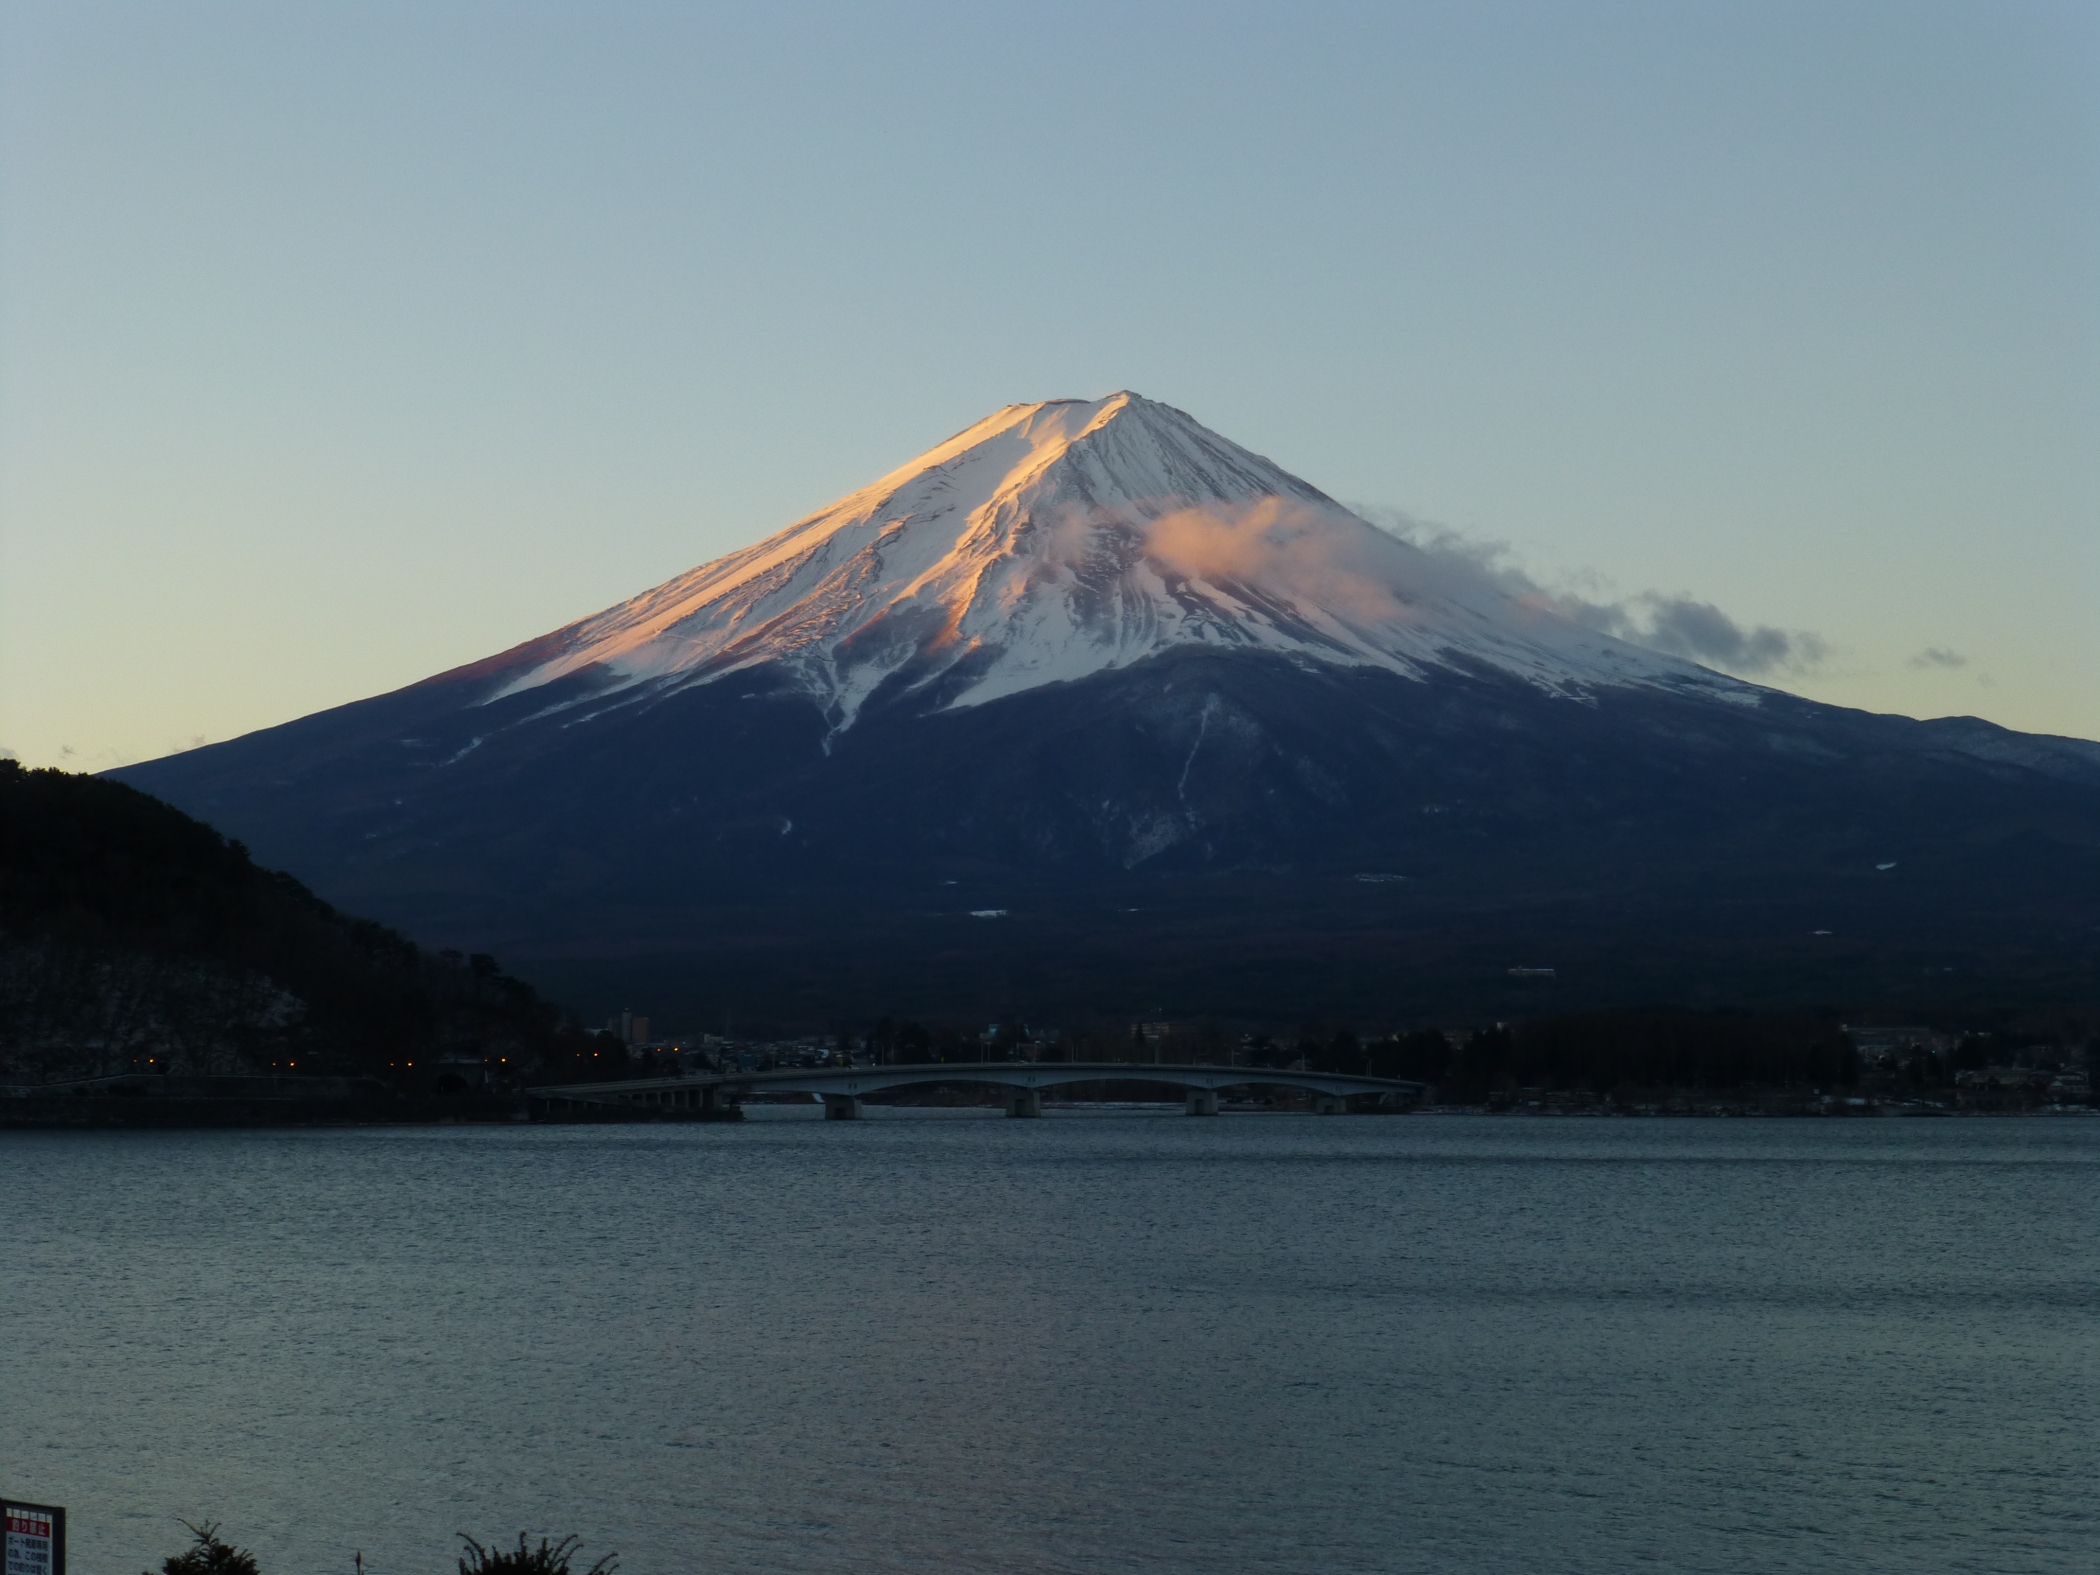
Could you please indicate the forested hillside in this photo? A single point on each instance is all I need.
(133, 937)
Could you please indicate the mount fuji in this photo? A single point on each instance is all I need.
(1090, 709)
(1051, 542)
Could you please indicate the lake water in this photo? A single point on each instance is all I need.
(944, 1341)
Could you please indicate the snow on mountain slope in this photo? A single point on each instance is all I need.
(1054, 540)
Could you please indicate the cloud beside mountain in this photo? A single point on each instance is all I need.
(1676, 625)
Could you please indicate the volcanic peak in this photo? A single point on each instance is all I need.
(1050, 541)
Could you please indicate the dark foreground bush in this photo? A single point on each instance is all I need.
(210, 1556)
(546, 1559)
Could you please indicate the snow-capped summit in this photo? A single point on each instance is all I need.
(1056, 540)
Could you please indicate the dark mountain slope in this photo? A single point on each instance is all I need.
(1679, 848)
(132, 934)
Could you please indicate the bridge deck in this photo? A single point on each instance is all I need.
(848, 1084)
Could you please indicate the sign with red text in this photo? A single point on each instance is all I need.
(36, 1539)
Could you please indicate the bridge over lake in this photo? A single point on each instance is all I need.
(842, 1088)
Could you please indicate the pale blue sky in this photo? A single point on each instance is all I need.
(340, 344)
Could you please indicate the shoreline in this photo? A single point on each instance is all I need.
(73, 1114)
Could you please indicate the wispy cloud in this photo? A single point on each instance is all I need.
(1322, 554)
(1938, 656)
(1678, 625)
(1701, 632)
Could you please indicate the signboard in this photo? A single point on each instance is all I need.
(36, 1539)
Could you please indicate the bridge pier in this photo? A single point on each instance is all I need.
(1024, 1102)
(841, 1107)
(1330, 1105)
(1203, 1102)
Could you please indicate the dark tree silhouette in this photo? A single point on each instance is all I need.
(209, 1556)
(549, 1558)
